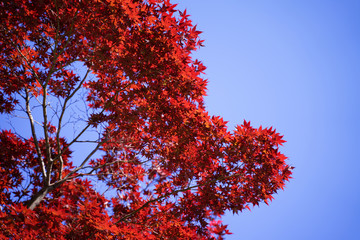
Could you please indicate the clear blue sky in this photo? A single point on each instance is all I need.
(294, 65)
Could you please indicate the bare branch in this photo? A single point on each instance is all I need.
(86, 159)
(37, 147)
(60, 122)
(108, 103)
(46, 135)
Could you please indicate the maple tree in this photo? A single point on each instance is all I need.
(167, 169)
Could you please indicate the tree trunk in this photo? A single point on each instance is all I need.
(37, 198)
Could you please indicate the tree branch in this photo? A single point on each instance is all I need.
(60, 122)
(46, 135)
(33, 132)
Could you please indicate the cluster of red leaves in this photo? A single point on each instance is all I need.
(172, 168)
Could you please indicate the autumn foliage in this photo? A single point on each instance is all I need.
(155, 164)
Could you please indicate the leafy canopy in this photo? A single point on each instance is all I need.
(118, 76)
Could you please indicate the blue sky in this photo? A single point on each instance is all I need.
(294, 65)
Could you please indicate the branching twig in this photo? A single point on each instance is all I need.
(60, 151)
